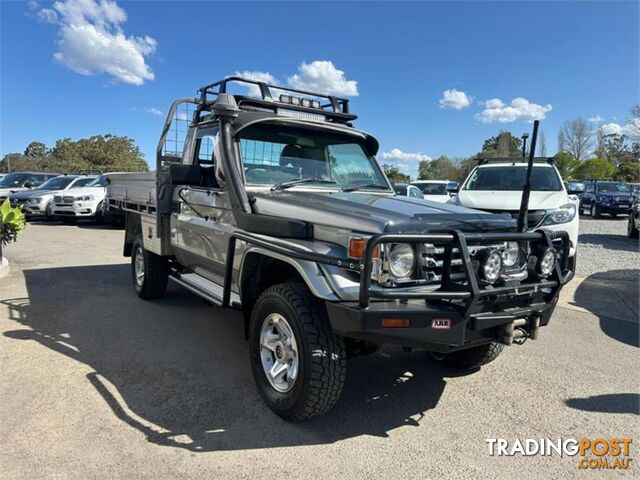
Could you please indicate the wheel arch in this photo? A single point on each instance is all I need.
(261, 269)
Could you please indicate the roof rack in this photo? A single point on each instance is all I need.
(482, 161)
(334, 109)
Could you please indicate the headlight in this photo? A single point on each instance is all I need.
(546, 261)
(564, 214)
(490, 265)
(84, 198)
(601, 198)
(511, 254)
(401, 260)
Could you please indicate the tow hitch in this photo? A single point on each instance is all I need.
(517, 332)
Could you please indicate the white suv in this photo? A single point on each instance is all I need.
(497, 187)
(83, 202)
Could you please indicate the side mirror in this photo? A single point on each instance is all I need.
(453, 190)
(28, 185)
(185, 174)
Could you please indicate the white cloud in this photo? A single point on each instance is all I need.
(46, 15)
(154, 111)
(92, 41)
(455, 99)
(32, 5)
(182, 116)
(322, 76)
(519, 109)
(265, 77)
(397, 154)
(595, 119)
(631, 128)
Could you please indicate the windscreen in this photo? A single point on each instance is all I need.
(56, 183)
(432, 188)
(101, 181)
(509, 178)
(613, 187)
(12, 180)
(83, 182)
(273, 155)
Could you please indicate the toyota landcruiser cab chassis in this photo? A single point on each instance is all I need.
(277, 207)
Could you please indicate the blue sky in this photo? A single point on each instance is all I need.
(83, 67)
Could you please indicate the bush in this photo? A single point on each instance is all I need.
(12, 223)
(595, 169)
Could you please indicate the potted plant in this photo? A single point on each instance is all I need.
(12, 222)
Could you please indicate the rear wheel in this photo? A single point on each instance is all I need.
(595, 210)
(149, 272)
(99, 216)
(298, 363)
(471, 358)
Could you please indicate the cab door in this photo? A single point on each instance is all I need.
(200, 227)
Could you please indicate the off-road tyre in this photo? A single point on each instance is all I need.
(472, 358)
(632, 230)
(155, 268)
(321, 353)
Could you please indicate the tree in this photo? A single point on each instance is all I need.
(502, 145)
(614, 148)
(36, 149)
(629, 171)
(596, 169)
(566, 164)
(441, 168)
(576, 138)
(394, 175)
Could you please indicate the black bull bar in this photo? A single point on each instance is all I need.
(468, 291)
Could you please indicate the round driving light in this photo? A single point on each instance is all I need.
(490, 265)
(511, 254)
(401, 260)
(546, 262)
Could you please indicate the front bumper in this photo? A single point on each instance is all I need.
(76, 209)
(460, 314)
(615, 208)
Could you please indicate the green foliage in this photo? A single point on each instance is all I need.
(629, 171)
(441, 168)
(394, 174)
(566, 164)
(12, 222)
(502, 145)
(595, 168)
(100, 153)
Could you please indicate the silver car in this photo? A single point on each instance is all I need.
(38, 202)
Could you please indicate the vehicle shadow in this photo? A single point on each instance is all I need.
(612, 242)
(615, 302)
(178, 371)
(610, 403)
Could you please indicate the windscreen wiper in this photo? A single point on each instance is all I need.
(376, 186)
(293, 183)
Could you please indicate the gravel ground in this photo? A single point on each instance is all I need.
(605, 250)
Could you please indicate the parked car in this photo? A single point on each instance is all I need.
(278, 208)
(20, 181)
(84, 202)
(634, 219)
(37, 203)
(404, 190)
(497, 187)
(437, 190)
(606, 197)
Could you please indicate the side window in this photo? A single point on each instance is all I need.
(589, 187)
(205, 152)
(413, 192)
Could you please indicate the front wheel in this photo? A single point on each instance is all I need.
(298, 363)
(595, 210)
(471, 358)
(149, 272)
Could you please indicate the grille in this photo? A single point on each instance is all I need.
(67, 199)
(57, 199)
(534, 217)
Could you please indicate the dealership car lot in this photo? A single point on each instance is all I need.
(97, 383)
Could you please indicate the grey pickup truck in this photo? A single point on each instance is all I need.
(275, 205)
